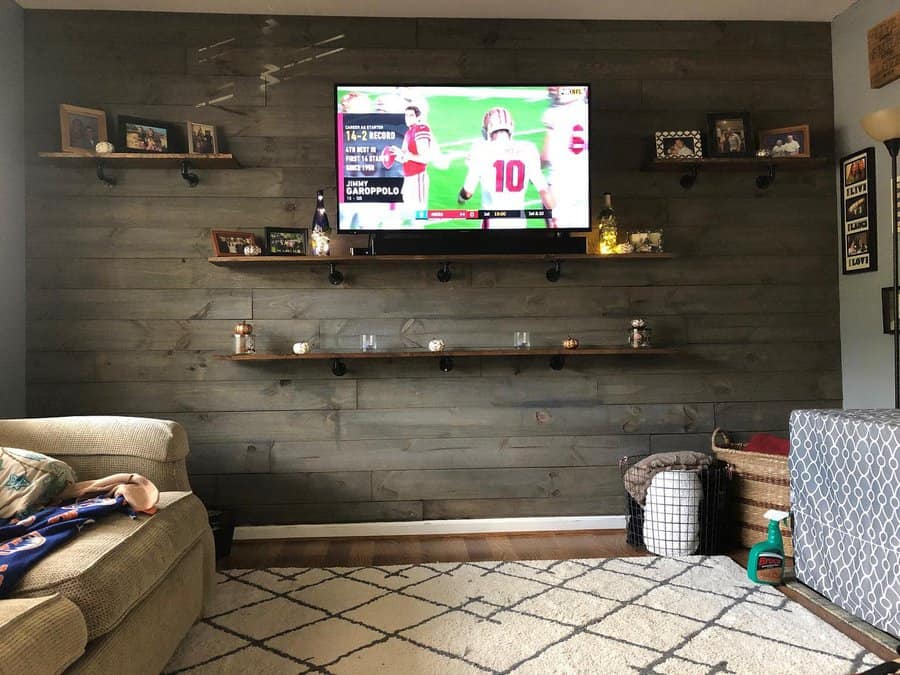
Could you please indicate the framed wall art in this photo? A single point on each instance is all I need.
(786, 142)
(286, 240)
(678, 145)
(729, 134)
(81, 128)
(141, 135)
(231, 243)
(859, 251)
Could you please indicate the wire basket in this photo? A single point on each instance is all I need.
(679, 511)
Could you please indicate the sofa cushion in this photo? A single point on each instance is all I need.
(29, 481)
(28, 623)
(115, 562)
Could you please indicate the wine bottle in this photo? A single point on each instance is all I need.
(321, 229)
(609, 230)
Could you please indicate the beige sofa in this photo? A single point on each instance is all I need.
(122, 594)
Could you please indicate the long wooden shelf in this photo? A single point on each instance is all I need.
(445, 358)
(737, 163)
(140, 160)
(448, 258)
(456, 352)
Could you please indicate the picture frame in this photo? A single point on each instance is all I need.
(678, 145)
(786, 141)
(138, 134)
(230, 244)
(202, 139)
(81, 128)
(887, 324)
(287, 241)
(730, 134)
(859, 231)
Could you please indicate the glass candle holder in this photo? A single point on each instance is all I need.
(367, 342)
(521, 339)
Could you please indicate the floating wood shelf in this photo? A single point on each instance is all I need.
(557, 355)
(449, 258)
(765, 166)
(444, 273)
(140, 160)
(738, 163)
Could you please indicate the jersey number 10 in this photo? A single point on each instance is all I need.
(509, 176)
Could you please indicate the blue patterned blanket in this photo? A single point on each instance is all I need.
(27, 540)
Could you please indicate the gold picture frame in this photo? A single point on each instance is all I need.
(81, 128)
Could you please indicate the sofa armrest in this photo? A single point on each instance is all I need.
(40, 635)
(97, 446)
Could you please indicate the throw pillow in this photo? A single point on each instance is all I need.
(30, 481)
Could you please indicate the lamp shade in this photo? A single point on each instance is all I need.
(883, 125)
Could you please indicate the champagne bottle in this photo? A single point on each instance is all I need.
(609, 230)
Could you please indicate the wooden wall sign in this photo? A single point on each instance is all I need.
(884, 52)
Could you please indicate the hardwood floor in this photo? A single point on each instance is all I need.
(435, 548)
(360, 551)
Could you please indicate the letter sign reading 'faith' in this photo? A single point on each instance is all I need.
(884, 52)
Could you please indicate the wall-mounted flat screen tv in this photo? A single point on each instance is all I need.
(414, 158)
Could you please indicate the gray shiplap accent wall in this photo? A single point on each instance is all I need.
(125, 313)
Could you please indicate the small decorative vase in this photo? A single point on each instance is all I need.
(436, 345)
(570, 343)
(301, 348)
(252, 249)
(104, 147)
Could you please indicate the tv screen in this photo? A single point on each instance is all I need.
(462, 157)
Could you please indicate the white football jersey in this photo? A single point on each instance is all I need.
(567, 139)
(503, 169)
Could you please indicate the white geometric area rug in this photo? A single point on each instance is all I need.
(598, 616)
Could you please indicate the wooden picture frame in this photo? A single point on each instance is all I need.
(667, 145)
(202, 139)
(730, 134)
(786, 142)
(287, 241)
(137, 134)
(859, 231)
(81, 128)
(231, 244)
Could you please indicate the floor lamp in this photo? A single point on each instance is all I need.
(884, 126)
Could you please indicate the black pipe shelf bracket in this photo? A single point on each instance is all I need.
(444, 274)
(108, 181)
(191, 178)
(555, 272)
(446, 364)
(764, 181)
(687, 180)
(335, 277)
(338, 368)
(557, 362)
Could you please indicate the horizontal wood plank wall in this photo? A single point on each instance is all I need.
(125, 313)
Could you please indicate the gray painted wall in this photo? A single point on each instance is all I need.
(865, 349)
(12, 209)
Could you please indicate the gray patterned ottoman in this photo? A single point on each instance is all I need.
(845, 493)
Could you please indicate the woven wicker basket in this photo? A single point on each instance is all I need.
(761, 482)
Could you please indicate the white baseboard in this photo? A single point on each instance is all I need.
(430, 527)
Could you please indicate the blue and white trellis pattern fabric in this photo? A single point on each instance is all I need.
(845, 494)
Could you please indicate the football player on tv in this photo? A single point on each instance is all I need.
(414, 155)
(565, 154)
(503, 167)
